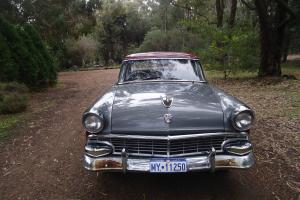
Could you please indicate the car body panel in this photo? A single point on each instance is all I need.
(138, 108)
(230, 106)
(103, 106)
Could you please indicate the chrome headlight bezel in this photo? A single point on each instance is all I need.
(237, 125)
(95, 116)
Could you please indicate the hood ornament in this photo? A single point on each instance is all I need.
(167, 101)
(168, 118)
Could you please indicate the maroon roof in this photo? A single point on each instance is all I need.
(154, 55)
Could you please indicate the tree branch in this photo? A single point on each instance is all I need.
(248, 5)
(288, 19)
(173, 3)
(286, 7)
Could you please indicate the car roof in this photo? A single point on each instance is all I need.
(160, 55)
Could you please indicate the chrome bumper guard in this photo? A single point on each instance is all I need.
(208, 162)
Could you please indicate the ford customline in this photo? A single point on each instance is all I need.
(162, 116)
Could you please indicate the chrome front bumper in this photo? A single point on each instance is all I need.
(195, 163)
(233, 153)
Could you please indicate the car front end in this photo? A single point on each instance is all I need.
(155, 124)
(195, 152)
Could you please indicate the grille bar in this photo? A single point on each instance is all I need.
(169, 147)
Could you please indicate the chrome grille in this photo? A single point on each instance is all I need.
(168, 147)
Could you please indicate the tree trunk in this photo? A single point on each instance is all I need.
(270, 50)
(166, 19)
(286, 47)
(232, 15)
(280, 17)
(220, 12)
(83, 63)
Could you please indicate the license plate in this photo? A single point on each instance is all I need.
(168, 165)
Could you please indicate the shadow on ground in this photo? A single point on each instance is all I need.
(203, 185)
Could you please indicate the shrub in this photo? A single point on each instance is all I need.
(44, 54)
(13, 87)
(25, 57)
(233, 50)
(24, 62)
(83, 51)
(172, 40)
(155, 40)
(8, 71)
(13, 98)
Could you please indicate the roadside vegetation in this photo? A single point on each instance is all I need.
(7, 122)
(24, 57)
(13, 98)
(229, 36)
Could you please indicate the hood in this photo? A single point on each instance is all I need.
(138, 109)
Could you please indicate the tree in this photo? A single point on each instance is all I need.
(120, 26)
(25, 57)
(233, 8)
(220, 12)
(8, 68)
(25, 64)
(9, 9)
(82, 51)
(55, 20)
(44, 54)
(273, 20)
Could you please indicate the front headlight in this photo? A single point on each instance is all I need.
(93, 123)
(242, 121)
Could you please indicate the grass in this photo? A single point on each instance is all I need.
(288, 88)
(294, 110)
(291, 68)
(288, 68)
(13, 98)
(6, 123)
(213, 74)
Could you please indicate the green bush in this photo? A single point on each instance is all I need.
(24, 63)
(155, 40)
(25, 57)
(7, 64)
(13, 98)
(232, 50)
(172, 40)
(44, 55)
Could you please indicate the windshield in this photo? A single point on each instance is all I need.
(161, 69)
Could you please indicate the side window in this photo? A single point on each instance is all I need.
(200, 70)
(122, 72)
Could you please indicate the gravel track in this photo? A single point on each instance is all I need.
(44, 158)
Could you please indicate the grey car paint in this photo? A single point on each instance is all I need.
(230, 106)
(136, 108)
(103, 107)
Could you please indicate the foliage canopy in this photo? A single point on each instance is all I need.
(24, 57)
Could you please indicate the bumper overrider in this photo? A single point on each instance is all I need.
(101, 155)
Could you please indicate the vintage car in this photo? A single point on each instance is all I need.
(162, 116)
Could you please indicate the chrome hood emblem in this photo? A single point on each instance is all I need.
(167, 101)
(168, 118)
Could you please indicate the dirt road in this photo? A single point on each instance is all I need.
(44, 158)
